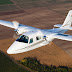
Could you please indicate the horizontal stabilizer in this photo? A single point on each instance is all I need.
(69, 28)
(63, 37)
(58, 25)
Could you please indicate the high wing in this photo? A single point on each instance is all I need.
(63, 37)
(19, 28)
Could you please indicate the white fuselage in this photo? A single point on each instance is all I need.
(18, 47)
(37, 39)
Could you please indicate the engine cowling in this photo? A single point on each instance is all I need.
(21, 30)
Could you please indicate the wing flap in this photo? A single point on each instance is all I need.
(63, 37)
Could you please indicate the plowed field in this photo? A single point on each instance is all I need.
(40, 18)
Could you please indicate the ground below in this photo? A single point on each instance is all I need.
(41, 18)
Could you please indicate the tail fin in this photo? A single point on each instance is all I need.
(67, 22)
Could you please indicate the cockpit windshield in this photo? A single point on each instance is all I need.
(23, 38)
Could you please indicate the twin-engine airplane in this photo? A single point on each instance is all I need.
(33, 38)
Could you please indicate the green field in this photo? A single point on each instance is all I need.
(3, 2)
(7, 65)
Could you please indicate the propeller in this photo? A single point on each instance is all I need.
(15, 36)
(16, 24)
(19, 29)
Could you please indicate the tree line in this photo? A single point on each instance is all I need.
(35, 64)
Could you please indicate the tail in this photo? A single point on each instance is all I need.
(68, 20)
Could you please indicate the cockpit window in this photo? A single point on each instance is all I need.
(23, 38)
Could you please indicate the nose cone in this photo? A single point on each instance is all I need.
(9, 51)
(12, 49)
(15, 47)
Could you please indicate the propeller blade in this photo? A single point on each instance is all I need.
(15, 36)
(16, 24)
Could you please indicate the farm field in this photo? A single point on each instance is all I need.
(40, 18)
(41, 14)
(49, 54)
(27, 4)
(4, 2)
(36, 17)
(7, 8)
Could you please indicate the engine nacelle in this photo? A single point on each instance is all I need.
(21, 30)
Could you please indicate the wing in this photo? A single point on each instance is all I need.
(63, 37)
(7, 23)
(13, 24)
(19, 28)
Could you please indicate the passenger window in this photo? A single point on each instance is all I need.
(38, 37)
(31, 40)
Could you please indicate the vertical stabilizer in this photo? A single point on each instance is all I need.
(67, 22)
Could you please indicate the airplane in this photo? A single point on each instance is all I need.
(32, 38)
